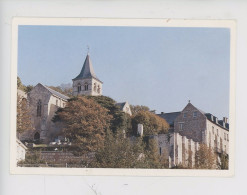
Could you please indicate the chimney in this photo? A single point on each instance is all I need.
(225, 119)
(140, 129)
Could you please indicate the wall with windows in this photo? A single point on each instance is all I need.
(43, 106)
(217, 137)
(191, 123)
(178, 149)
(88, 86)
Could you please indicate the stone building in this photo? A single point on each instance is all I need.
(87, 83)
(125, 107)
(43, 103)
(188, 129)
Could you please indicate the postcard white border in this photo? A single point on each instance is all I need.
(231, 24)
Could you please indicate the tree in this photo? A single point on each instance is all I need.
(205, 158)
(120, 121)
(28, 88)
(86, 123)
(152, 124)
(155, 159)
(20, 85)
(224, 161)
(23, 115)
(120, 152)
(138, 108)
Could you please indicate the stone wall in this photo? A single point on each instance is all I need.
(43, 125)
(193, 126)
(91, 89)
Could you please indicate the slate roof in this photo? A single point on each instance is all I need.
(121, 105)
(56, 93)
(87, 70)
(170, 117)
(212, 118)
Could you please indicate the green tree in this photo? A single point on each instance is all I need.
(28, 88)
(152, 124)
(120, 121)
(86, 123)
(205, 158)
(20, 85)
(155, 159)
(120, 152)
(23, 122)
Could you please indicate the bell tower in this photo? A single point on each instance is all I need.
(87, 83)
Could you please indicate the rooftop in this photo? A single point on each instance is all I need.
(87, 70)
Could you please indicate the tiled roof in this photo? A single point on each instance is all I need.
(56, 93)
(87, 70)
(169, 117)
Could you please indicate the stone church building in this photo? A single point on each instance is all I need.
(44, 102)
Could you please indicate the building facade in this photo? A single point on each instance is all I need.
(188, 129)
(43, 103)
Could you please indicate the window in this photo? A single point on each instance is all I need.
(217, 131)
(213, 130)
(94, 87)
(63, 104)
(160, 151)
(195, 114)
(79, 88)
(98, 90)
(39, 108)
(86, 87)
(185, 115)
(181, 126)
(224, 136)
(56, 102)
(227, 137)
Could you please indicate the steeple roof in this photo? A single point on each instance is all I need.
(87, 70)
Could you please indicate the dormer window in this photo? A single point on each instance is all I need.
(86, 87)
(195, 114)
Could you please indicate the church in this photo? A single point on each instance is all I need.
(188, 128)
(44, 102)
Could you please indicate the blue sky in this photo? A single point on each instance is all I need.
(160, 67)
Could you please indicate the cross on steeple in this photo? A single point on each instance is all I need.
(88, 49)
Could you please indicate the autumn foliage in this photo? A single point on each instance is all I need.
(152, 123)
(86, 123)
(23, 115)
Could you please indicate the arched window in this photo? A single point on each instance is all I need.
(79, 87)
(94, 87)
(56, 102)
(98, 90)
(39, 108)
(86, 87)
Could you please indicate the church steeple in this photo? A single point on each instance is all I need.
(87, 83)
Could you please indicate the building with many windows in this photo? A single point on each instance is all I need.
(188, 129)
